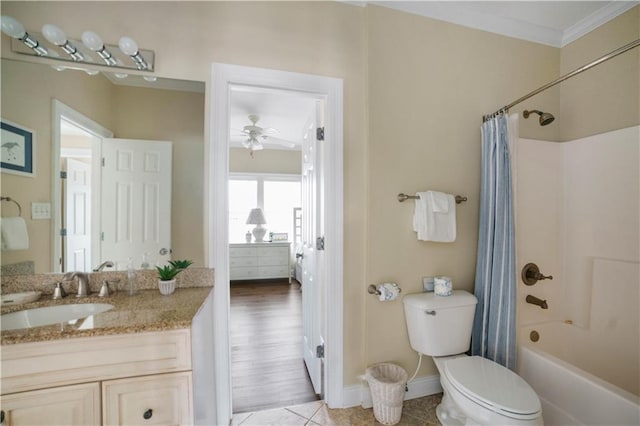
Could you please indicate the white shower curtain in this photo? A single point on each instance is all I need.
(494, 328)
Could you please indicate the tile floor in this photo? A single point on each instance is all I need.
(420, 411)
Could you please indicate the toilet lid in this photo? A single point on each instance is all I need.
(493, 386)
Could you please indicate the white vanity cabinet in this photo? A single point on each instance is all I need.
(63, 405)
(152, 377)
(256, 261)
(160, 399)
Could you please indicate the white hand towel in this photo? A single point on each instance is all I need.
(420, 216)
(14, 233)
(439, 201)
(432, 220)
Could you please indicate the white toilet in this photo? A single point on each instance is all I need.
(477, 391)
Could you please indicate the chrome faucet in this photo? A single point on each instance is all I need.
(535, 301)
(105, 264)
(83, 282)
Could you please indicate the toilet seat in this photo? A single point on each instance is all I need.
(493, 386)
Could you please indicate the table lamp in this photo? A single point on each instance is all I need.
(256, 217)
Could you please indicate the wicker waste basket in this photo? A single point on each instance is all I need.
(387, 384)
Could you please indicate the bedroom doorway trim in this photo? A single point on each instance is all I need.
(224, 76)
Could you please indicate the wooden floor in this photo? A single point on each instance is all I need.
(267, 369)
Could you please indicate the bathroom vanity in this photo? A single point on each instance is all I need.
(149, 359)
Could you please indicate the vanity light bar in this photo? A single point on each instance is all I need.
(14, 29)
(89, 50)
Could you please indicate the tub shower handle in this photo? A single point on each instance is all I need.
(531, 274)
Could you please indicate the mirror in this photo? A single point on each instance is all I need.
(165, 110)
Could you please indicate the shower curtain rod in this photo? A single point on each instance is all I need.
(575, 72)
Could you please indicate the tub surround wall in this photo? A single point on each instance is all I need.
(577, 215)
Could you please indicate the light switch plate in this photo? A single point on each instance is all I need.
(40, 210)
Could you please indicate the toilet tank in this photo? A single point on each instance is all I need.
(440, 325)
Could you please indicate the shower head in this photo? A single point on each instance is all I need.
(545, 117)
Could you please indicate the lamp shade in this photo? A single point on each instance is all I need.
(256, 217)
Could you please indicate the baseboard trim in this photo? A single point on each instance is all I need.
(355, 395)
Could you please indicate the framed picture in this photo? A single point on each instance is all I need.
(18, 149)
(282, 236)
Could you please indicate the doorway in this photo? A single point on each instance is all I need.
(76, 201)
(224, 77)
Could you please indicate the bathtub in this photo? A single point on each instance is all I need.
(570, 395)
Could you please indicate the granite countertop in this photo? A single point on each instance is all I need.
(148, 310)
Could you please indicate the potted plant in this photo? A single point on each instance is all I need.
(167, 275)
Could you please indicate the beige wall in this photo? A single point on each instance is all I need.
(429, 85)
(265, 161)
(415, 90)
(606, 97)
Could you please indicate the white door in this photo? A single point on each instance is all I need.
(77, 216)
(136, 201)
(312, 229)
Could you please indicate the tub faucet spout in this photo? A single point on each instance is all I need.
(535, 301)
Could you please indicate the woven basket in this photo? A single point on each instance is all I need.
(387, 384)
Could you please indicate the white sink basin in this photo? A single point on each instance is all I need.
(50, 315)
(18, 298)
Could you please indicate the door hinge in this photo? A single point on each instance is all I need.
(320, 243)
(320, 351)
(63, 232)
(101, 236)
(102, 161)
(320, 133)
(63, 175)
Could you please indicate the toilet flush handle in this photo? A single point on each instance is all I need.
(433, 313)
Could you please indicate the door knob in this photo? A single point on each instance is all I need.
(164, 251)
(299, 255)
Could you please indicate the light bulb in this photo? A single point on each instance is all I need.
(121, 75)
(150, 78)
(128, 46)
(92, 72)
(54, 34)
(92, 40)
(12, 27)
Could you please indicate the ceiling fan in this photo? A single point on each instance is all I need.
(257, 136)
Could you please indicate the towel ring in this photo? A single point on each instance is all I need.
(13, 201)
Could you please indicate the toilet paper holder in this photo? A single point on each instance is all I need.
(372, 289)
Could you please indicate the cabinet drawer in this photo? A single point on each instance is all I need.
(27, 366)
(66, 405)
(152, 400)
(273, 252)
(243, 251)
(243, 261)
(273, 261)
(243, 273)
(273, 271)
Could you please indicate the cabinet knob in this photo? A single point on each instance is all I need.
(147, 414)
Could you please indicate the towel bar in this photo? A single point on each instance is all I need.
(13, 201)
(402, 197)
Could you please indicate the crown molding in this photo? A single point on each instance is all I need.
(596, 19)
(457, 13)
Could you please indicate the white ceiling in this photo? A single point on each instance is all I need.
(554, 23)
(286, 112)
